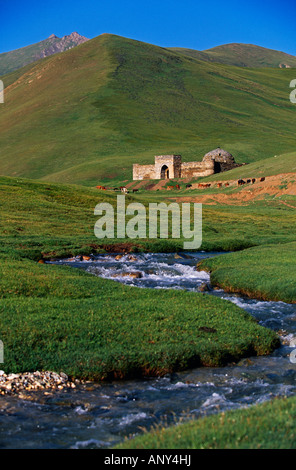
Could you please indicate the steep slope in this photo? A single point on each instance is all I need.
(86, 115)
(242, 55)
(10, 61)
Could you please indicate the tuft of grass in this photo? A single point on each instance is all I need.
(266, 426)
(265, 272)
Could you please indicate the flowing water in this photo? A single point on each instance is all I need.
(101, 415)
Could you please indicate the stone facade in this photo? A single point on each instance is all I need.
(197, 169)
(171, 166)
(142, 172)
(167, 167)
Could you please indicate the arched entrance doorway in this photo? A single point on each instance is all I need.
(164, 173)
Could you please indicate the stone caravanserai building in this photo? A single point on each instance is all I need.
(171, 166)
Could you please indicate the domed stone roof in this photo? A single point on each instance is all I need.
(218, 154)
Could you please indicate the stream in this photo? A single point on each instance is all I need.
(101, 415)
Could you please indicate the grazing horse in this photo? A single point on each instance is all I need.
(204, 185)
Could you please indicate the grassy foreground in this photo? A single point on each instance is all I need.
(265, 272)
(58, 318)
(270, 425)
(64, 319)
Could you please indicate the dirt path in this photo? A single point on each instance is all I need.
(160, 185)
(141, 184)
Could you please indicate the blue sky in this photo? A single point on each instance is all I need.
(188, 23)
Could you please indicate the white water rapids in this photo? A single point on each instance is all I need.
(101, 415)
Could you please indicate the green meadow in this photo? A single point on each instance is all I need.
(267, 272)
(89, 325)
(55, 318)
(61, 318)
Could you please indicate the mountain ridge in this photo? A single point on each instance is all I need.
(88, 114)
(13, 60)
(237, 54)
(242, 55)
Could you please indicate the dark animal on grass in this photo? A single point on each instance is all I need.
(204, 185)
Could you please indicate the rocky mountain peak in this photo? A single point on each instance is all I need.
(75, 37)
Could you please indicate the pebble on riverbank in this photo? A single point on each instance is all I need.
(15, 384)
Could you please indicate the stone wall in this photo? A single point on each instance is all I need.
(197, 169)
(141, 172)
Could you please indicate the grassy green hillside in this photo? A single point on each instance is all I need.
(86, 115)
(242, 55)
(275, 165)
